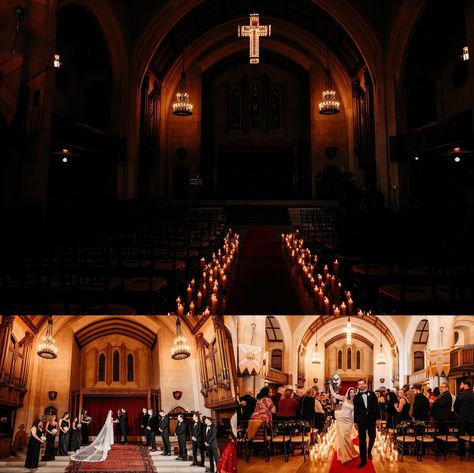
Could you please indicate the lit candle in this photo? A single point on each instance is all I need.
(336, 267)
(326, 306)
(333, 284)
(320, 299)
(360, 313)
(224, 281)
(180, 310)
(213, 304)
(191, 308)
(325, 269)
(343, 308)
(178, 301)
(199, 299)
(206, 312)
(215, 288)
(320, 280)
(203, 262)
(189, 293)
(350, 303)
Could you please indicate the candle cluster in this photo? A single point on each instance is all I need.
(202, 297)
(324, 445)
(323, 285)
(386, 449)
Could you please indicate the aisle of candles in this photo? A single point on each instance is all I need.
(386, 448)
(324, 286)
(324, 445)
(205, 296)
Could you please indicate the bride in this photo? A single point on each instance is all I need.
(344, 424)
(97, 451)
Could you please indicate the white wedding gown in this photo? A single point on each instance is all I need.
(97, 451)
(344, 426)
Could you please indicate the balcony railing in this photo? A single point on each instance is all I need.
(462, 358)
(418, 377)
(277, 377)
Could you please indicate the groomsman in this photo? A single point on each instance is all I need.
(123, 424)
(180, 432)
(144, 423)
(197, 436)
(164, 428)
(151, 429)
(210, 440)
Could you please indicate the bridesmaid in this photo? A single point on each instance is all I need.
(34, 445)
(75, 436)
(50, 430)
(85, 420)
(64, 426)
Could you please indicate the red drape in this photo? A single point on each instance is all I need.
(345, 385)
(98, 408)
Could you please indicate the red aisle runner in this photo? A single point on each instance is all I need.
(338, 467)
(121, 459)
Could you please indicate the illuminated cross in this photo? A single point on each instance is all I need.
(349, 330)
(254, 31)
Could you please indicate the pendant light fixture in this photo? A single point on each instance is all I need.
(180, 350)
(329, 105)
(316, 357)
(381, 356)
(182, 107)
(47, 347)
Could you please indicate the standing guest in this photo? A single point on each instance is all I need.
(392, 399)
(210, 441)
(164, 429)
(319, 413)
(74, 436)
(428, 393)
(144, 425)
(264, 407)
(276, 397)
(151, 429)
(64, 426)
(366, 417)
(442, 409)
(247, 403)
(85, 420)
(288, 406)
(464, 408)
(51, 429)
(408, 393)
(402, 407)
(382, 405)
(434, 395)
(37, 439)
(298, 394)
(421, 404)
(117, 422)
(197, 438)
(307, 407)
(180, 432)
(123, 424)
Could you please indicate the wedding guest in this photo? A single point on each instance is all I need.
(197, 438)
(164, 429)
(64, 426)
(319, 413)
(391, 398)
(434, 395)
(288, 406)
(442, 409)
(464, 408)
(180, 432)
(247, 403)
(402, 407)
(298, 394)
(276, 397)
(421, 404)
(144, 425)
(35, 442)
(264, 407)
(307, 407)
(382, 405)
(210, 441)
(74, 436)
(51, 429)
(410, 398)
(84, 420)
(151, 429)
(123, 425)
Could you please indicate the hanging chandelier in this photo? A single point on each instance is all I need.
(47, 347)
(316, 357)
(348, 330)
(329, 105)
(381, 356)
(180, 350)
(182, 107)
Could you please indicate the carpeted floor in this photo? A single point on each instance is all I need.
(121, 459)
(338, 467)
(262, 283)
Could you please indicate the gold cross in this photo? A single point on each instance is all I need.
(254, 31)
(348, 330)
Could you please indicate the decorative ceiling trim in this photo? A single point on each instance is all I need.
(194, 322)
(355, 336)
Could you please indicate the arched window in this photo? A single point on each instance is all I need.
(130, 371)
(349, 358)
(339, 360)
(277, 362)
(358, 360)
(102, 367)
(235, 109)
(275, 108)
(418, 361)
(255, 106)
(116, 366)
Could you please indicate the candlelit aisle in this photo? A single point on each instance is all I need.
(262, 282)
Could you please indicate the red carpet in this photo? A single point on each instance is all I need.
(338, 467)
(262, 283)
(121, 459)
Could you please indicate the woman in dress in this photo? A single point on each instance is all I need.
(402, 407)
(288, 406)
(50, 430)
(391, 399)
(75, 436)
(264, 407)
(308, 407)
(64, 426)
(85, 420)
(34, 445)
(344, 424)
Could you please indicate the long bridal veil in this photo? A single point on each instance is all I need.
(97, 451)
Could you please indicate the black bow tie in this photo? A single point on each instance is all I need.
(364, 394)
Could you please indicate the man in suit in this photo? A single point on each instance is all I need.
(366, 417)
(151, 429)
(123, 425)
(180, 432)
(210, 441)
(164, 429)
(143, 424)
(464, 407)
(197, 430)
(247, 403)
(442, 409)
(421, 404)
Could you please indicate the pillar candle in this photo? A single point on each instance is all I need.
(189, 293)
(326, 306)
(213, 304)
(180, 310)
(320, 299)
(193, 284)
(203, 262)
(199, 299)
(336, 310)
(336, 266)
(178, 301)
(224, 281)
(191, 308)
(206, 312)
(343, 308)
(325, 269)
(215, 288)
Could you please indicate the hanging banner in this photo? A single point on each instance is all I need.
(250, 359)
(439, 362)
(10, 74)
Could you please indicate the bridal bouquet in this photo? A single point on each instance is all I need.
(65, 429)
(43, 438)
(54, 431)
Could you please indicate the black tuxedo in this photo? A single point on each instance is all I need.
(442, 410)
(151, 432)
(421, 407)
(197, 431)
(365, 418)
(164, 427)
(210, 437)
(250, 403)
(123, 424)
(143, 425)
(180, 432)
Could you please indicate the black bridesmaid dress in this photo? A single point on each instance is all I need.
(63, 439)
(85, 432)
(75, 439)
(33, 452)
(50, 438)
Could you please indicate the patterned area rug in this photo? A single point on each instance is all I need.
(121, 459)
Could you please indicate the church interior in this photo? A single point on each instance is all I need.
(134, 135)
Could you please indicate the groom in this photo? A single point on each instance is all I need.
(366, 416)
